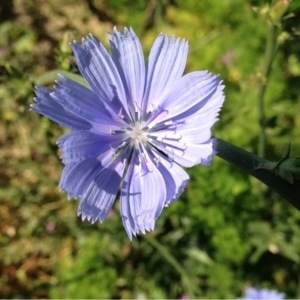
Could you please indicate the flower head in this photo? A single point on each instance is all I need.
(134, 128)
(262, 294)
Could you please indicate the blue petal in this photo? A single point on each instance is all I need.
(167, 61)
(81, 101)
(80, 145)
(76, 177)
(197, 124)
(143, 196)
(192, 109)
(99, 197)
(263, 294)
(98, 68)
(174, 176)
(47, 106)
(187, 155)
(127, 55)
(192, 92)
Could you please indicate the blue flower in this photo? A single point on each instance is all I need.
(134, 128)
(262, 294)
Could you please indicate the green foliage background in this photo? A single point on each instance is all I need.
(227, 231)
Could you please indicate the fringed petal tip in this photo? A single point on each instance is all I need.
(70, 195)
(32, 106)
(89, 218)
(126, 30)
(89, 37)
(179, 191)
(90, 212)
(214, 152)
(207, 161)
(139, 228)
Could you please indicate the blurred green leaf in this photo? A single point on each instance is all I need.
(224, 233)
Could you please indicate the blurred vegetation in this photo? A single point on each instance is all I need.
(226, 232)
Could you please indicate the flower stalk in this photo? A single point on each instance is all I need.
(251, 164)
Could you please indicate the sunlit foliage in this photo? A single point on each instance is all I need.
(226, 232)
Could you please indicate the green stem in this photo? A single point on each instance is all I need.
(187, 282)
(270, 53)
(248, 162)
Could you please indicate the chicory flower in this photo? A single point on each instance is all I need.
(262, 294)
(134, 128)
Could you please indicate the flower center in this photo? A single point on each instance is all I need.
(137, 134)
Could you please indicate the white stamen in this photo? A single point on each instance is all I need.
(138, 134)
